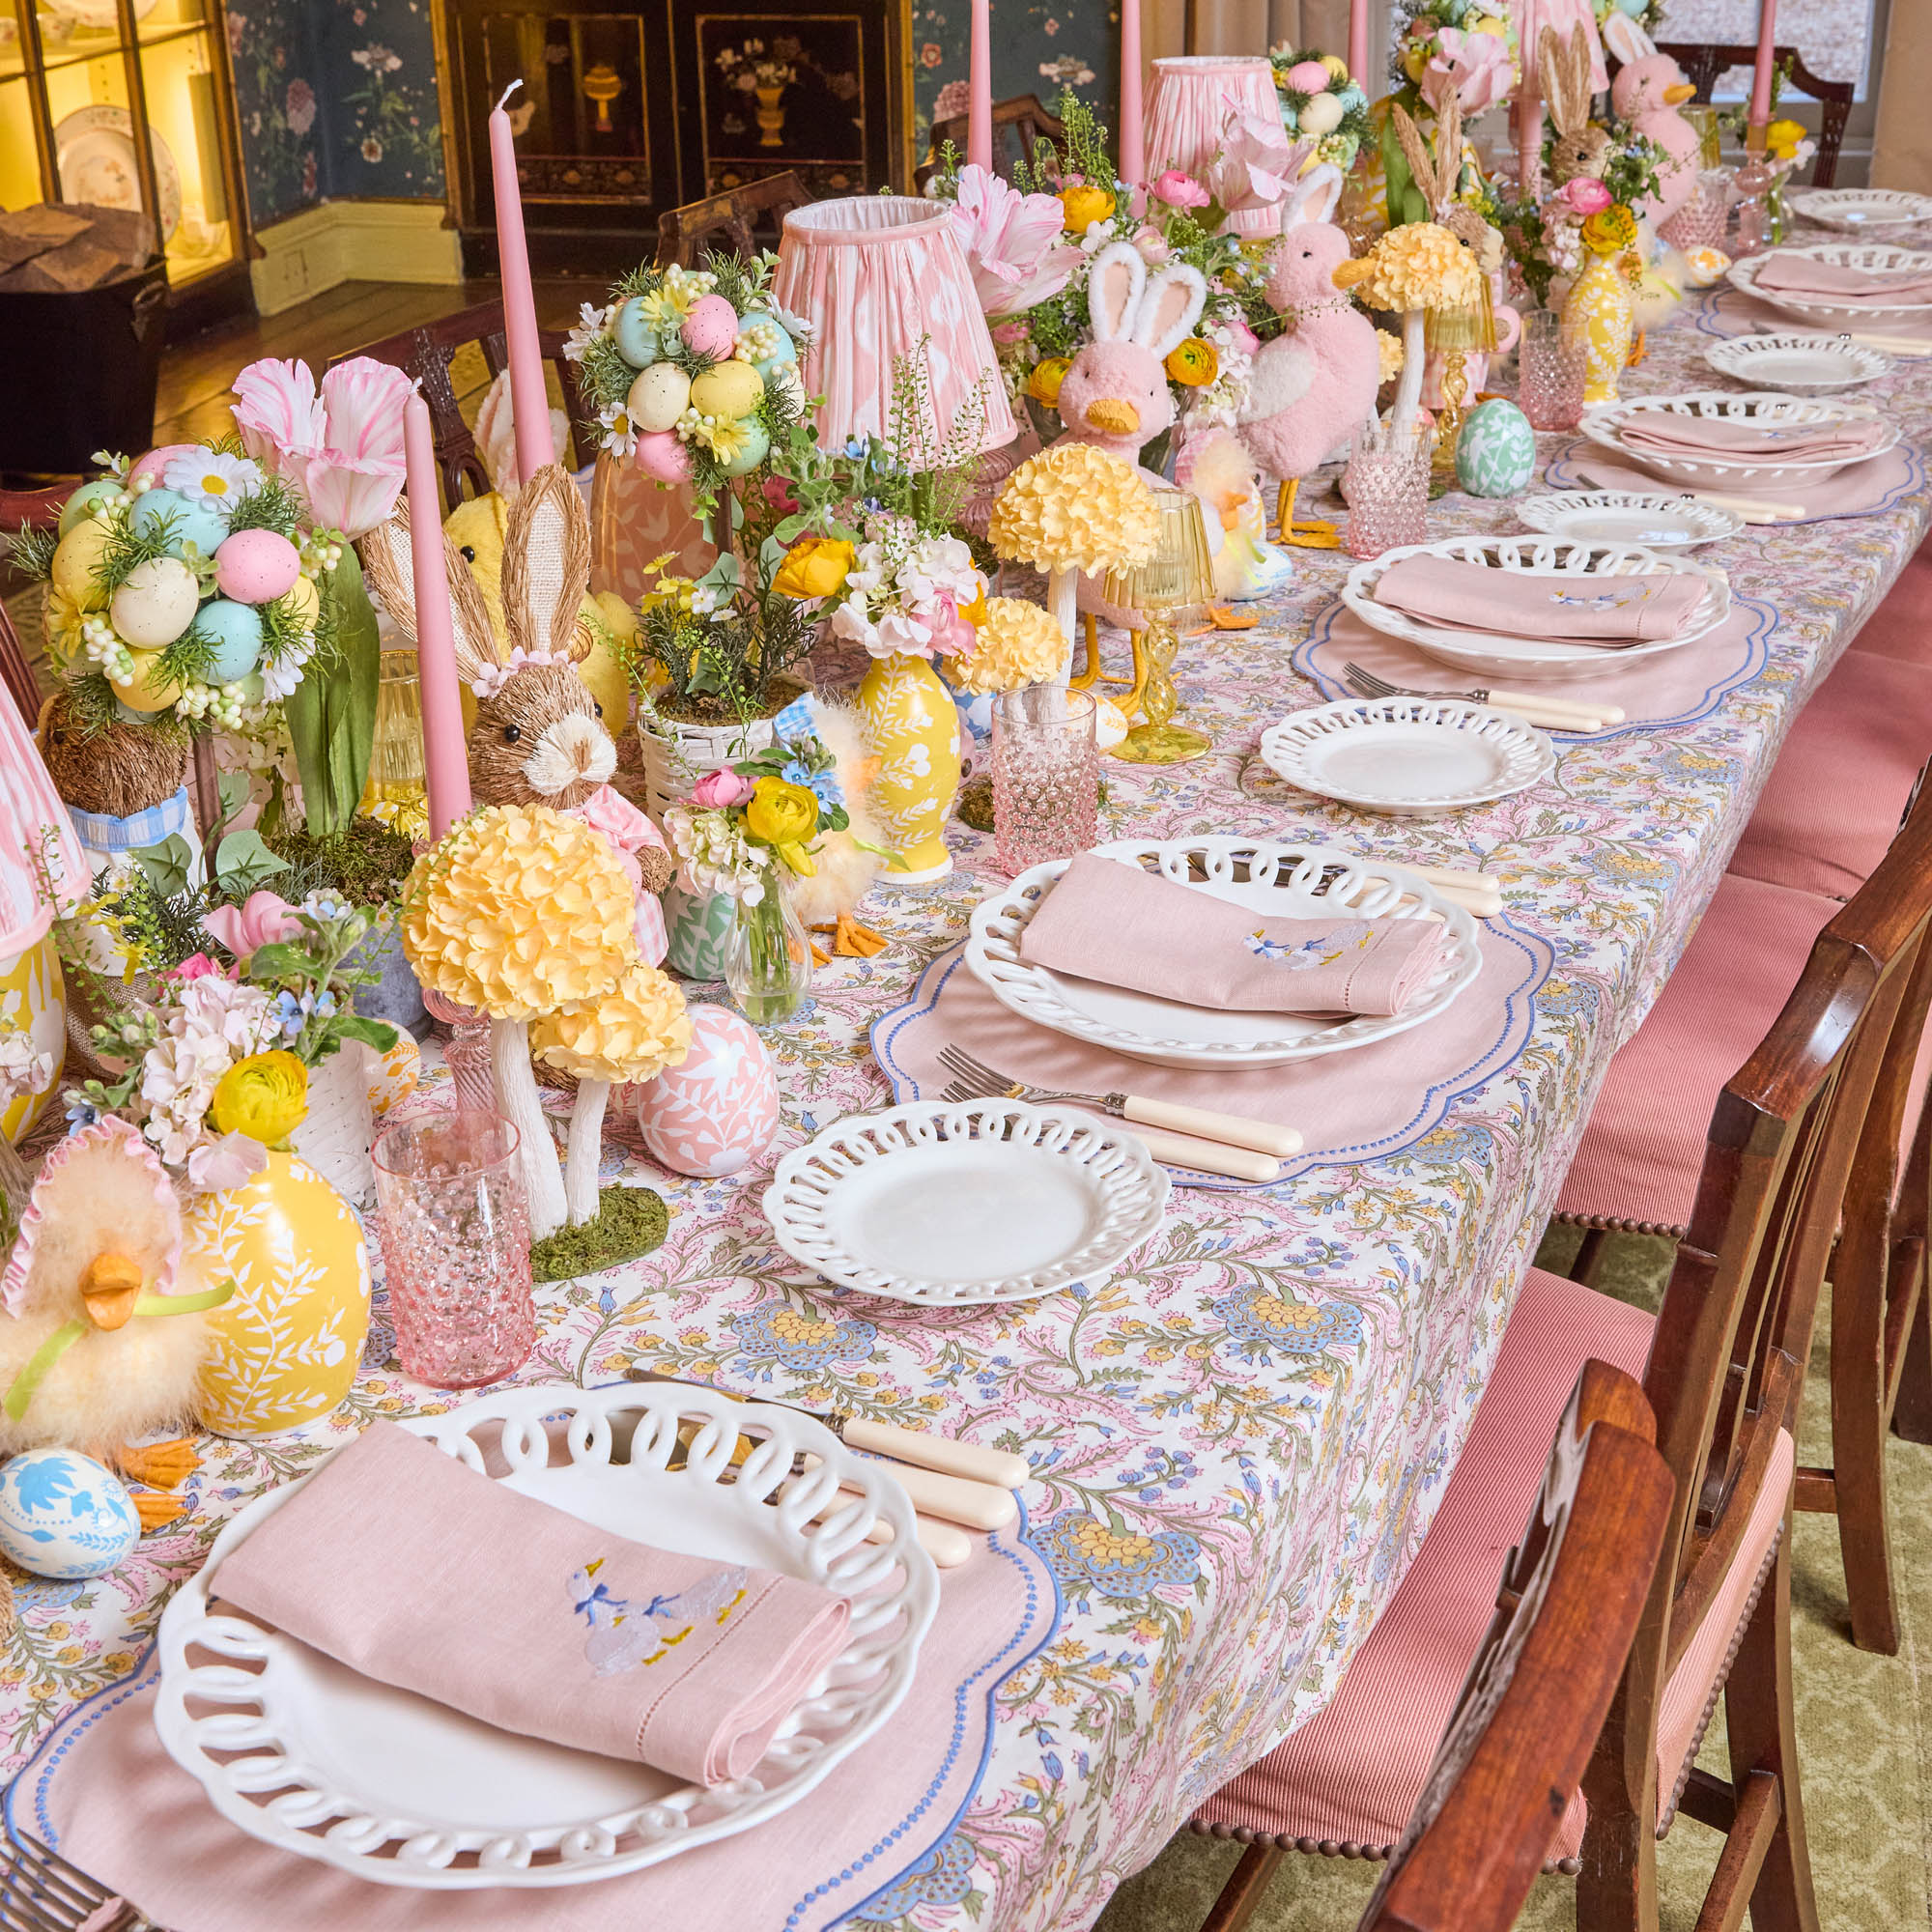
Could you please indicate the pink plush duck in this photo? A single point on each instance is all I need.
(1647, 94)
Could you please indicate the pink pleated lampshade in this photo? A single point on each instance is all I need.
(882, 277)
(1193, 95)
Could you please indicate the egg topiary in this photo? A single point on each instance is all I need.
(1496, 454)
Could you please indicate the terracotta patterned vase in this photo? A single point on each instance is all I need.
(287, 1344)
(913, 728)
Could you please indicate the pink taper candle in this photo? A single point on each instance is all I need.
(979, 88)
(530, 405)
(1529, 106)
(1358, 46)
(445, 756)
(1767, 43)
(1133, 145)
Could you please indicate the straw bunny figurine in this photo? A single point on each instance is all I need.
(1580, 146)
(539, 736)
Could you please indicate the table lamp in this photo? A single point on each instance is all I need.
(1456, 333)
(1180, 575)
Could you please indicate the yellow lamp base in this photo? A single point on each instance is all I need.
(1161, 745)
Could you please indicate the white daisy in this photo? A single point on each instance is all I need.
(618, 436)
(593, 324)
(212, 480)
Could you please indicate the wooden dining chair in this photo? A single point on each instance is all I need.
(425, 353)
(1636, 1168)
(1703, 61)
(734, 218)
(1019, 126)
(35, 510)
(1510, 1762)
(1720, 1365)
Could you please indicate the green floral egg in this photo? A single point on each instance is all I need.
(1495, 455)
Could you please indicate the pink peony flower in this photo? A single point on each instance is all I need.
(342, 450)
(1241, 336)
(265, 920)
(196, 966)
(952, 635)
(1476, 66)
(1585, 195)
(1011, 242)
(1256, 165)
(717, 790)
(1009, 334)
(1179, 190)
(216, 1166)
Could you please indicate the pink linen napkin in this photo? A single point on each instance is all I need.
(1116, 924)
(400, 1562)
(1671, 433)
(1787, 273)
(1614, 611)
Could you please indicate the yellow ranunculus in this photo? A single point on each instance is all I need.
(1782, 137)
(1193, 362)
(814, 567)
(1611, 231)
(798, 860)
(265, 1097)
(1083, 206)
(975, 612)
(779, 813)
(1043, 385)
(1415, 58)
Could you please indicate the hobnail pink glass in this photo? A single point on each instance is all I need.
(1551, 369)
(1701, 222)
(1388, 498)
(456, 1248)
(1046, 775)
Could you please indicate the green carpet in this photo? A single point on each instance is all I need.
(1862, 1724)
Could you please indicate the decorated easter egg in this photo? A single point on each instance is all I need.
(660, 454)
(1321, 115)
(757, 447)
(1110, 722)
(147, 687)
(635, 336)
(710, 326)
(1308, 76)
(393, 1077)
(305, 597)
(719, 1109)
(64, 1515)
(155, 603)
(76, 559)
(150, 469)
(730, 390)
(236, 632)
(1495, 455)
(658, 397)
(257, 566)
(87, 500)
(186, 523)
(1703, 267)
(697, 928)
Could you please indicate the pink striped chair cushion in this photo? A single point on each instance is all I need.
(1901, 627)
(1644, 1144)
(1838, 788)
(1351, 1774)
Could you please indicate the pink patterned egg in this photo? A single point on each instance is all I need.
(711, 326)
(256, 566)
(155, 461)
(718, 1109)
(659, 455)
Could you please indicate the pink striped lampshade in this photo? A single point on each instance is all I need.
(882, 277)
(1193, 96)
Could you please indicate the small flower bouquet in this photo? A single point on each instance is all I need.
(1321, 103)
(1465, 46)
(1547, 240)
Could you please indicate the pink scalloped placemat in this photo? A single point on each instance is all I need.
(1726, 311)
(1865, 489)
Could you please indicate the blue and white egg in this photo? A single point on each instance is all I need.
(1495, 455)
(64, 1515)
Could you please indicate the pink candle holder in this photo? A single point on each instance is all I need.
(456, 1248)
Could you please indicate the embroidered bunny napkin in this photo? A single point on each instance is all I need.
(1787, 273)
(400, 1562)
(1565, 609)
(1116, 924)
(1674, 432)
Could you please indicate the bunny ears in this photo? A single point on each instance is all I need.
(545, 572)
(1439, 173)
(1565, 63)
(1158, 312)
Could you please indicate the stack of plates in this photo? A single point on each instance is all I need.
(1859, 209)
(1512, 659)
(1876, 257)
(1745, 474)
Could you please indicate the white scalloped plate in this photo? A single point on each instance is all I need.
(1627, 517)
(1407, 754)
(1603, 426)
(399, 1790)
(954, 1205)
(1860, 210)
(1799, 365)
(1877, 256)
(1511, 658)
(1259, 874)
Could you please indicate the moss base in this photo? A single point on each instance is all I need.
(368, 863)
(631, 1221)
(974, 805)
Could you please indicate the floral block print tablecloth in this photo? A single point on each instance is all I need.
(1238, 1446)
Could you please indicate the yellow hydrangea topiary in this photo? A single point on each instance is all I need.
(633, 1033)
(1419, 265)
(1019, 644)
(1074, 507)
(1388, 349)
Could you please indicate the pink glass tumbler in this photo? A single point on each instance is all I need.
(456, 1248)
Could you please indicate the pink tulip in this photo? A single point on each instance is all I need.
(1011, 242)
(1476, 67)
(1585, 195)
(265, 920)
(1179, 190)
(952, 635)
(342, 450)
(1256, 163)
(721, 790)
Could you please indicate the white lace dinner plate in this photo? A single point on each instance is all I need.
(1758, 409)
(1857, 209)
(1407, 754)
(1259, 874)
(1510, 658)
(1799, 365)
(1879, 257)
(399, 1790)
(958, 1205)
(1628, 516)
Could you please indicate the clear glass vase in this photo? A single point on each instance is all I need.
(768, 966)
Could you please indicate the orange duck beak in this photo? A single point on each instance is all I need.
(110, 1289)
(1675, 96)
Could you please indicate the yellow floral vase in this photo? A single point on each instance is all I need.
(286, 1345)
(33, 1000)
(1600, 311)
(912, 726)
